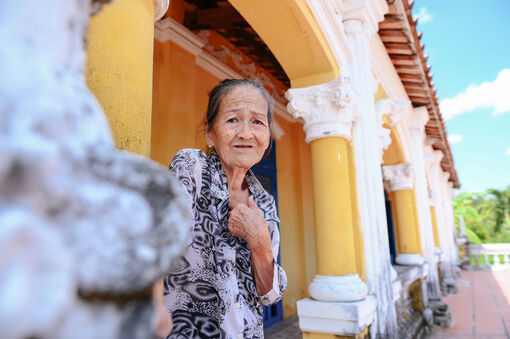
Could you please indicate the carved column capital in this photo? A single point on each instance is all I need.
(160, 8)
(328, 109)
(395, 110)
(400, 176)
(433, 159)
(417, 120)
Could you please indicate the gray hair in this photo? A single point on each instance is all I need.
(224, 87)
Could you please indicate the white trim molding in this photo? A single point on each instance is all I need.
(169, 29)
(399, 176)
(328, 109)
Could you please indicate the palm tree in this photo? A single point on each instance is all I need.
(499, 205)
(472, 207)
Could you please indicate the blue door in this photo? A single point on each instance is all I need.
(391, 229)
(265, 171)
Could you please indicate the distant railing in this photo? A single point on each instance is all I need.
(489, 256)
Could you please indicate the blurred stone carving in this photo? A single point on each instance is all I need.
(85, 229)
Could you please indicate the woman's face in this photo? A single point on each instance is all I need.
(240, 133)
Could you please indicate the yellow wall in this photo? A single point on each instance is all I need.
(181, 90)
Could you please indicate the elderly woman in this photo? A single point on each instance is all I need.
(229, 269)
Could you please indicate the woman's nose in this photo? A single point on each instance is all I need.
(245, 131)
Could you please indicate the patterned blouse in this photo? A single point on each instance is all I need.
(210, 291)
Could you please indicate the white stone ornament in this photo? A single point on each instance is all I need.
(160, 8)
(83, 225)
(399, 176)
(344, 288)
(328, 109)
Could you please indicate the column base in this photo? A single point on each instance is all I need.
(409, 259)
(338, 318)
(344, 288)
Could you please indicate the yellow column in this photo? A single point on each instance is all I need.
(401, 180)
(333, 207)
(434, 226)
(119, 69)
(327, 112)
(408, 232)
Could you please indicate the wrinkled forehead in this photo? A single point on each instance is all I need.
(240, 96)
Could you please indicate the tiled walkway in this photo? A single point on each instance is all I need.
(481, 309)
(287, 329)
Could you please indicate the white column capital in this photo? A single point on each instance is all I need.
(417, 120)
(396, 110)
(369, 11)
(433, 159)
(355, 27)
(445, 176)
(400, 176)
(328, 109)
(345, 288)
(160, 8)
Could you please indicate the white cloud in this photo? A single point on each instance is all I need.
(508, 151)
(454, 138)
(493, 95)
(424, 16)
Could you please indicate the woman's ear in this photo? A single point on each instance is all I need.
(207, 132)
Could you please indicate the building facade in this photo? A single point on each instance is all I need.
(361, 165)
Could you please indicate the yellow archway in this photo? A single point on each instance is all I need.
(289, 29)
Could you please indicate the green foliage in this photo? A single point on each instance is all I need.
(473, 238)
(486, 215)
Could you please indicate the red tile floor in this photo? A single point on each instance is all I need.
(481, 309)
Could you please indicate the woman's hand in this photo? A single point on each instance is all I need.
(247, 222)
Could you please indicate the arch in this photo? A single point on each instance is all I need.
(289, 29)
(395, 153)
(391, 113)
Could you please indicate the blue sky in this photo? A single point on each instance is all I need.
(468, 43)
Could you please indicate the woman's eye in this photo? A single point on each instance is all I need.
(232, 120)
(258, 122)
